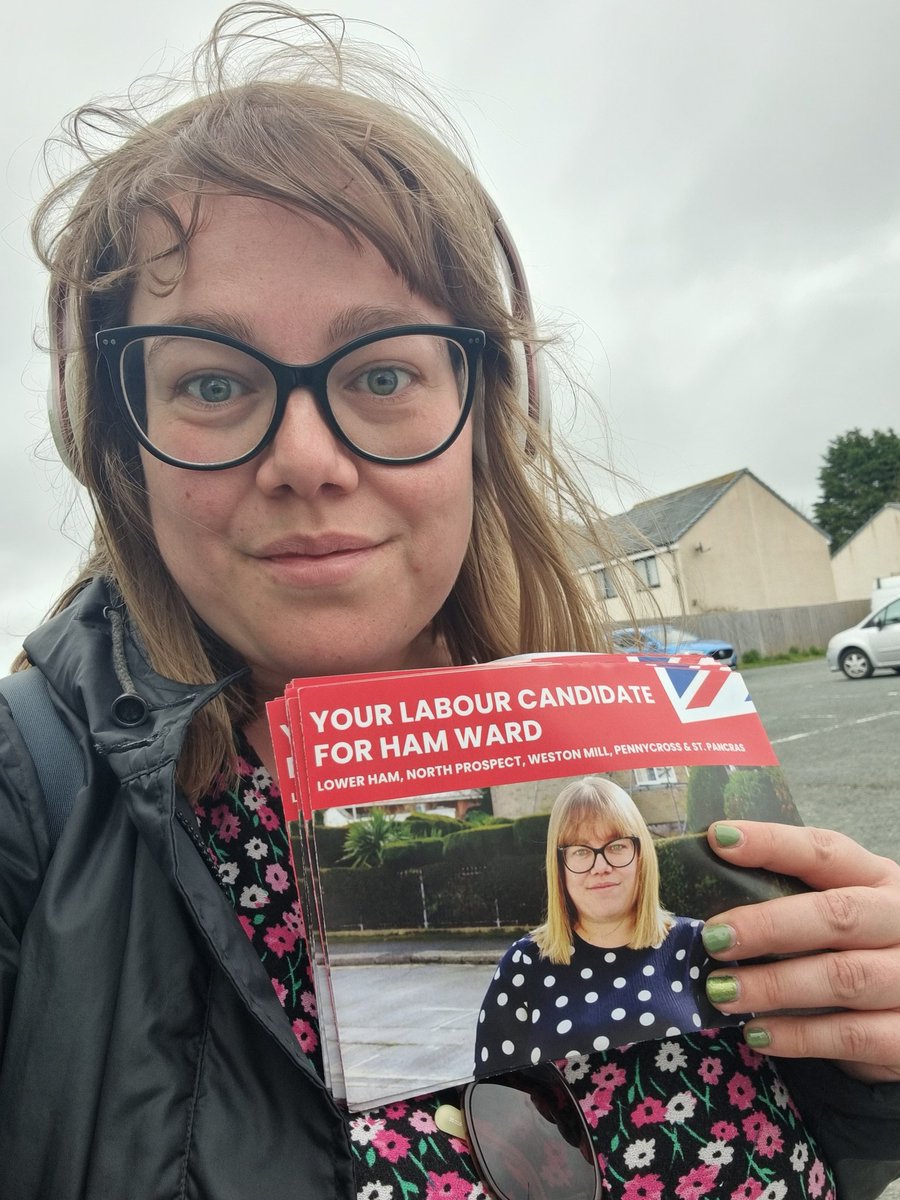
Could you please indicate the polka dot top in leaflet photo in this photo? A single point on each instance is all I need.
(603, 997)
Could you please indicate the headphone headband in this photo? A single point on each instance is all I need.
(61, 331)
(523, 310)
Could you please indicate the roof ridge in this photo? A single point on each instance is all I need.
(662, 520)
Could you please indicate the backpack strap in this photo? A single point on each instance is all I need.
(52, 745)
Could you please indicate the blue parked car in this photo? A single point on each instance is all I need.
(666, 639)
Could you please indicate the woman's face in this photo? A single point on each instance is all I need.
(306, 560)
(603, 897)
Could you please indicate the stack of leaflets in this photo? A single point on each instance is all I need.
(420, 803)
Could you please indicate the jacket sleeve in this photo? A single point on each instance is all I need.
(856, 1124)
(24, 854)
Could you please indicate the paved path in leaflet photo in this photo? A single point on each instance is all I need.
(429, 1039)
(425, 1041)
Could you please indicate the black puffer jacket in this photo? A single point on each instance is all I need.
(144, 1053)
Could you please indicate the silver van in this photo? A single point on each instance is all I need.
(872, 644)
(884, 590)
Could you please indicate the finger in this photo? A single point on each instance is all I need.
(840, 918)
(863, 980)
(822, 858)
(866, 1044)
(859, 904)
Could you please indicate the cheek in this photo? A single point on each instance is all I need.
(452, 477)
(439, 504)
(188, 509)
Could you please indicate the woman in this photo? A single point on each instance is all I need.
(255, 523)
(609, 965)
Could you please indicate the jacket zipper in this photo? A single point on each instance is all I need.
(192, 833)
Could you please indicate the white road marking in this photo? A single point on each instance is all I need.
(796, 737)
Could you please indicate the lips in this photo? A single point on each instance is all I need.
(315, 546)
(334, 560)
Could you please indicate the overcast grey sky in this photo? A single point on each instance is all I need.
(706, 195)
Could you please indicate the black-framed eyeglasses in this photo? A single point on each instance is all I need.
(528, 1135)
(619, 852)
(205, 401)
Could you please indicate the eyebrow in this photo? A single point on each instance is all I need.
(353, 322)
(214, 321)
(367, 318)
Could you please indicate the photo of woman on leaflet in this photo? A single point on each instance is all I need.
(609, 966)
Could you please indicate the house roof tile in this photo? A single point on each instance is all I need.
(661, 521)
(664, 519)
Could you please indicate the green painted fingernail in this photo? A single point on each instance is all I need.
(727, 835)
(758, 1039)
(721, 989)
(717, 937)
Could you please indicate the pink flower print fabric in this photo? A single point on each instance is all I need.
(242, 827)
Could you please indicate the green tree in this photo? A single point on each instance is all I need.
(705, 796)
(859, 474)
(365, 841)
(759, 794)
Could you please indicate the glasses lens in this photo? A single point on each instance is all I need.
(196, 400)
(620, 852)
(530, 1137)
(399, 397)
(579, 858)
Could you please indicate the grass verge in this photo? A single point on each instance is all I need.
(753, 658)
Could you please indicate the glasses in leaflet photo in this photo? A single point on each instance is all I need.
(528, 1135)
(205, 401)
(619, 852)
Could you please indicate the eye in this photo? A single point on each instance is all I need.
(213, 389)
(383, 381)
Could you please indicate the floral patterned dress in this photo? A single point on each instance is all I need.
(701, 1115)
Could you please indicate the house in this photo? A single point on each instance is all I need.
(730, 543)
(660, 794)
(871, 553)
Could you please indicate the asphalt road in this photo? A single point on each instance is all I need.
(839, 743)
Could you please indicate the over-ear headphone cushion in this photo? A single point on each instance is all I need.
(61, 332)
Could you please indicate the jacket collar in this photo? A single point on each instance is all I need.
(73, 650)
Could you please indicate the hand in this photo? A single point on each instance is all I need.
(847, 932)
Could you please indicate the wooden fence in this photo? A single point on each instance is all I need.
(775, 630)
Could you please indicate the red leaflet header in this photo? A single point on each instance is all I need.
(383, 737)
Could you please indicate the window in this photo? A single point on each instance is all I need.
(647, 571)
(648, 777)
(605, 584)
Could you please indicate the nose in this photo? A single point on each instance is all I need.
(601, 866)
(306, 455)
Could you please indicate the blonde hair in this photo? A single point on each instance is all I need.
(581, 804)
(276, 113)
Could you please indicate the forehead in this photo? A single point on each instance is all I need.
(288, 282)
(593, 833)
